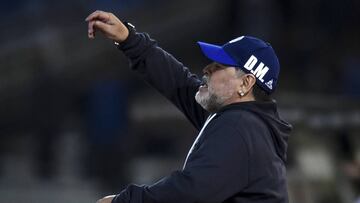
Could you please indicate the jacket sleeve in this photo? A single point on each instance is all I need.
(216, 170)
(162, 71)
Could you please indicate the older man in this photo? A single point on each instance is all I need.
(240, 152)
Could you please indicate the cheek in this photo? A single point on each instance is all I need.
(216, 83)
(222, 87)
(217, 87)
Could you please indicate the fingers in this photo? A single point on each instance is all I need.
(91, 31)
(98, 15)
(97, 25)
(108, 24)
(102, 26)
(95, 20)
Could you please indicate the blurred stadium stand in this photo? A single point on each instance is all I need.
(55, 84)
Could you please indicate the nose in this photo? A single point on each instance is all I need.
(206, 69)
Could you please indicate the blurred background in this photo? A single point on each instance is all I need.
(76, 124)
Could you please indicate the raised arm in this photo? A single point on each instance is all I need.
(160, 69)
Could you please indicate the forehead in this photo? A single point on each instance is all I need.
(220, 71)
(217, 67)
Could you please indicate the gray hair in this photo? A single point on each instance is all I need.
(239, 72)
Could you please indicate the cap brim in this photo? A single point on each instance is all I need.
(216, 53)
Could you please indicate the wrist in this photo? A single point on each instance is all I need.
(130, 29)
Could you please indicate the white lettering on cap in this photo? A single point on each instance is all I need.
(260, 70)
(250, 62)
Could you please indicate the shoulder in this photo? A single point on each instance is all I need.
(232, 123)
(223, 133)
(237, 118)
(238, 124)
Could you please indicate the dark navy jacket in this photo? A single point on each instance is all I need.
(240, 156)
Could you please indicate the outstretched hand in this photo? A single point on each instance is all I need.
(108, 24)
(106, 199)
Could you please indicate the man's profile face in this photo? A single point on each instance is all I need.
(219, 87)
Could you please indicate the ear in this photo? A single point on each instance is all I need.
(249, 81)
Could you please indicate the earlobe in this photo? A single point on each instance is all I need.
(241, 90)
(246, 84)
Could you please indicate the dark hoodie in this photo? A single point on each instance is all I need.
(240, 155)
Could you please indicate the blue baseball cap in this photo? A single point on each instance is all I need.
(249, 54)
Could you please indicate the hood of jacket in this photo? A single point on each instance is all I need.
(268, 113)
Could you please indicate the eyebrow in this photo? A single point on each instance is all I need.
(217, 65)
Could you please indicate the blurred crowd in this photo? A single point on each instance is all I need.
(74, 114)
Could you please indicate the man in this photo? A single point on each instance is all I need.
(239, 154)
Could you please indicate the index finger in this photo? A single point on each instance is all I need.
(101, 15)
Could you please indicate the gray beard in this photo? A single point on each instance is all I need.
(211, 102)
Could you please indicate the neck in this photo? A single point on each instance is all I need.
(237, 99)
